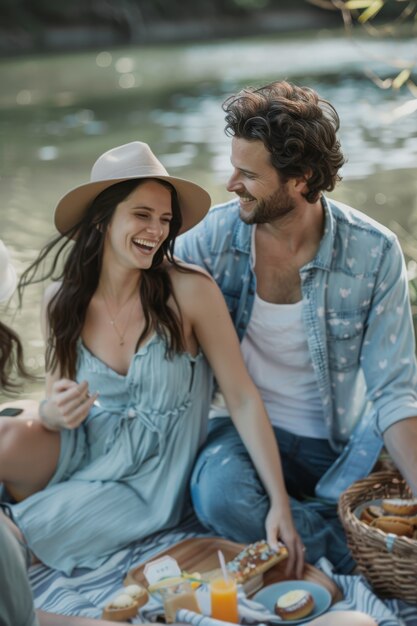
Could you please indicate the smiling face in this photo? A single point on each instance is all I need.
(139, 226)
(262, 195)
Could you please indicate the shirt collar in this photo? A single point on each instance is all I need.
(242, 233)
(324, 256)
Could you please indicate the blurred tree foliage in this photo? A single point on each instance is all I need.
(49, 11)
(390, 19)
(25, 23)
(383, 19)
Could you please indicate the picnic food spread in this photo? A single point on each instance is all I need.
(173, 587)
(295, 604)
(393, 515)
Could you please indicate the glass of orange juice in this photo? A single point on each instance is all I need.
(223, 595)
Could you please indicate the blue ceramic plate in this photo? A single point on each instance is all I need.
(269, 595)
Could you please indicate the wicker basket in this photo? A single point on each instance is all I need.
(388, 562)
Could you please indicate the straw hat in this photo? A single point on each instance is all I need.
(132, 160)
(8, 278)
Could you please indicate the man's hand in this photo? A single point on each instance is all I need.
(401, 442)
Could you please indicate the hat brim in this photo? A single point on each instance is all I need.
(194, 201)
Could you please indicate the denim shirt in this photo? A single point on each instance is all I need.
(356, 315)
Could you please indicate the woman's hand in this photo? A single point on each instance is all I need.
(67, 406)
(279, 525)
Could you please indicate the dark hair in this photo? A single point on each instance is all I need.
(80, 274)
(11, 357)
(296, 126)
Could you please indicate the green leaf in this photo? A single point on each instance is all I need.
(371, 11)
(402, 78)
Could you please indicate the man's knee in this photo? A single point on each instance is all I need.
(223, 482)
(212, 480)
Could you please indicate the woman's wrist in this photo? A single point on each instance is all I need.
(44, 415)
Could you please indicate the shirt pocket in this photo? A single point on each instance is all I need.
(345, 331)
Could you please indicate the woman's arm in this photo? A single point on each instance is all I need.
(203, 304)
(67, 403)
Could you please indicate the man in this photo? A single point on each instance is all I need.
(318, 294)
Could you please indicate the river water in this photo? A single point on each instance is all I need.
(58, 113)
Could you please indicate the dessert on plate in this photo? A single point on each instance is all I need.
(295, 604)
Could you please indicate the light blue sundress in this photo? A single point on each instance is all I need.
(123, 474)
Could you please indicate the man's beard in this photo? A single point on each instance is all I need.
(274, 207)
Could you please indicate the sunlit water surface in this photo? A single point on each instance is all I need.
(57, 114)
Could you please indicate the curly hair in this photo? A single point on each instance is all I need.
(296, 126)
(80, 273)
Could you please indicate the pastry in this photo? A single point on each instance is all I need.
(295, 604)
(400, 506)
(138, 593)
(370, 513)
(394, 524)
(255, 559)
(126, 604)
(121, 608)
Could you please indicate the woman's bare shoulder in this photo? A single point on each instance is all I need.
(194, 287)
(182, 268)
(186, 275)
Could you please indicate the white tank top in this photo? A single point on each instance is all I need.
(276, 354)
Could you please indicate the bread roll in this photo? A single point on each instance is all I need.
(370, 513)
(126, 604)
(120, 609)
(393, 524)
(138, 593)
(400, 506)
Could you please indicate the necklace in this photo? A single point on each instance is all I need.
(121, 335)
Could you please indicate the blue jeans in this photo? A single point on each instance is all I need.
(230, 500)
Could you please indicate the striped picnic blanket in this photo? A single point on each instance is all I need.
(86, 592)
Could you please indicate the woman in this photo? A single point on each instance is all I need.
(131, 341)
